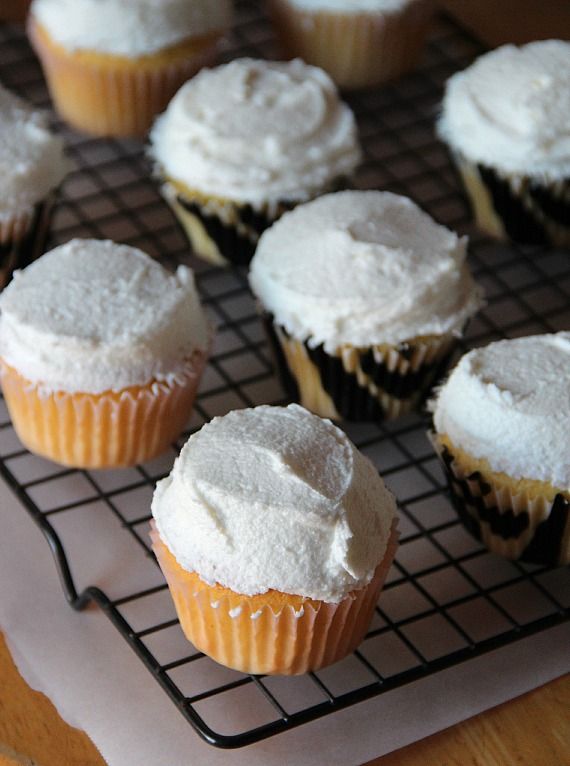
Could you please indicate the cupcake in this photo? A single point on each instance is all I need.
(101, 352)
(275, 535)
(360, 43)
(364, 296)
(111, 66)
(502, 423)
(240, 144)
(32, 166)
(505, 120)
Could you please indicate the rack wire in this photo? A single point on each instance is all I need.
(447, 599)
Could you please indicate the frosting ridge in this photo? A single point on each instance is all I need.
(363, 268)
(509, 402)
(275, 498)
(254, 131)
(510, 108)
(94, 316)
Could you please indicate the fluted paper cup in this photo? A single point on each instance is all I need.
(222, 231)
(107, 430)
(517, 208)
(273, 632)
(23, 237)
(357, 49)
(109, 95)
(518, 519)
(381, 382)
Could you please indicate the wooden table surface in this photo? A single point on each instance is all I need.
(532, 730)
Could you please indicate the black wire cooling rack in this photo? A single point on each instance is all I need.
(447, 599)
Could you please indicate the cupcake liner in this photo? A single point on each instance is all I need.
(381, 382)
(23, 238)
(518, 207)
(221, 231)
(108, 95)
(515, 524)
(224, 232)
(271, 633)
(101, 430)
(357, 49)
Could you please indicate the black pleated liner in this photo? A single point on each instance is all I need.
(534, 215)
(235, 245)
(18, 254)
(545, 547)
(237, 240)
(352, 401)
(285, 375)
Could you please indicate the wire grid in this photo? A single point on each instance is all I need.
(447, 599)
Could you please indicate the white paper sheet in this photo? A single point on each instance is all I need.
(99, 685)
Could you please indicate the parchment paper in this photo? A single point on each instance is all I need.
(99, 685)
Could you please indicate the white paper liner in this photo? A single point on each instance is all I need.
(357, 49)
(257, 639)
(101, 430)
(106, 100)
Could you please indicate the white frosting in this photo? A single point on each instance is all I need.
(94, 316)
(275, 498)
(510, 110)
(509, 402)
(129, 27)
(350, 6)
(363, 268)
(256, 131)
(31, 157)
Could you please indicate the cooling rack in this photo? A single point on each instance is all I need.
(447, 599)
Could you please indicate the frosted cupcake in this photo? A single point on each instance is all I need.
(32, 166)
(275, 535)
(101, 352)
(502, 422)
(240, 144)
(505, 119)
(365, 296)
(111, 66)
(360, 43)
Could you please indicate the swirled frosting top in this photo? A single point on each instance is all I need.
(257, 131)
(509, 110)
(32, 162)
(275, 498)
(94, 316)
(509, 402)
(363, 268)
